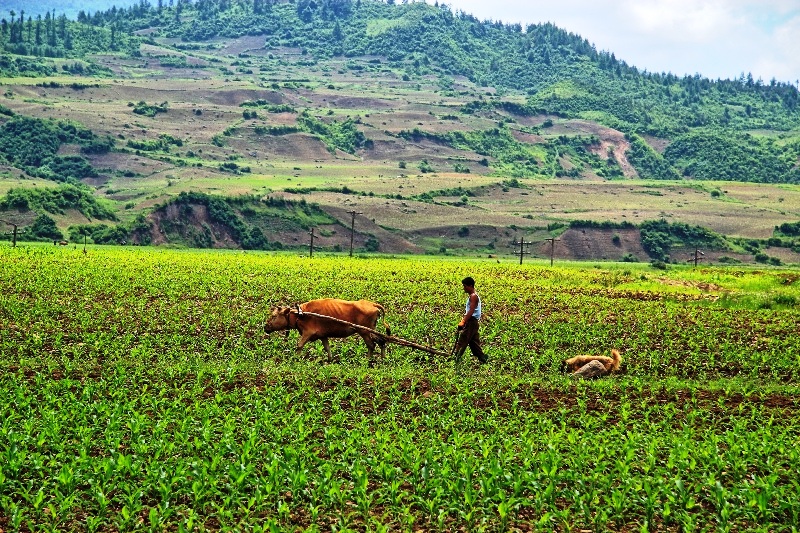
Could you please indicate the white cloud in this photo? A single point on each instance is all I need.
(671, 19)
(786, 64)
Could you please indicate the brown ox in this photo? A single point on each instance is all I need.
(311, 328)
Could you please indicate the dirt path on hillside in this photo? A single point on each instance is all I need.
(390, 242)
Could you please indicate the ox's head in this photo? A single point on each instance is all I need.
(278, 320)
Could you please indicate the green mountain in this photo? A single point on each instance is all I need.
(560, 72)
(326, 98)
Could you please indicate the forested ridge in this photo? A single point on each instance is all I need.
(560, 73)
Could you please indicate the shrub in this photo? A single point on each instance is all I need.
(336, 135)
(425, 167)
(149, 110)
(100, 233)
(99, 146)
(44, 229)
(790, 229)
(57, 201)
(372, 244)
(276, 130)
(658, 237)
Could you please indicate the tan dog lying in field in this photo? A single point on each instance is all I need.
(611, 364)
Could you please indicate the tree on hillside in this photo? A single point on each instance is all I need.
(305, 10)
(44, 228)
(12, 32)
(336, 8)
(38, 39)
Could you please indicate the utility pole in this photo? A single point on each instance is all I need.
(14, 234)
(352, 228)
(311, 246)
(697, 254)
(552, 248)
(523, 249)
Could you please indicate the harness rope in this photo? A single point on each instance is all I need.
(387, 338)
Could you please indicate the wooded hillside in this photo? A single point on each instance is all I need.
(340, 101)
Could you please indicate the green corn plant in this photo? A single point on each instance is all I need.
(158, 384)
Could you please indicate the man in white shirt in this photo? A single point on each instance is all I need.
(468, 327)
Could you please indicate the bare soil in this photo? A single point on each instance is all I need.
(287, 232)
(199, 218)
(236, 97)
(241, 45)
(721, 405)
(658, 144)
(357, 102)
(440, 156)
(141, 165)
(590, 243)
(364, 227)
(295, 146)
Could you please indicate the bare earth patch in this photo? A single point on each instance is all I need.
(590, 243)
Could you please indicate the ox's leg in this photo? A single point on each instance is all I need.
(302, 342)
(327, 348)
(380, 341)
(370, 342)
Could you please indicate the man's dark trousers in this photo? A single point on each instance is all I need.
(469, 336)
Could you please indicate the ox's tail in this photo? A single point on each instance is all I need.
(617, 358)
(382, 315)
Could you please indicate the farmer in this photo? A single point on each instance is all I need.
(468, 327)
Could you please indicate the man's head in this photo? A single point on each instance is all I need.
(468, 283)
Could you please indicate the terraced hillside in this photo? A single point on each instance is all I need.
(435, 155)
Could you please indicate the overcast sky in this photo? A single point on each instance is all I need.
(715, 38)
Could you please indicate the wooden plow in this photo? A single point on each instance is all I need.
(388, 338)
